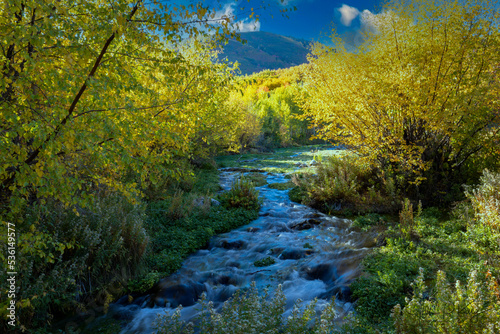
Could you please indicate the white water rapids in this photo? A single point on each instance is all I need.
(284, 231)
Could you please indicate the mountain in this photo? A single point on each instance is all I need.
(265, 50)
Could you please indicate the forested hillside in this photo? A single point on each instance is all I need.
(265, 51)
(118, 121)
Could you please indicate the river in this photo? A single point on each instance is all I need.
(315, 256)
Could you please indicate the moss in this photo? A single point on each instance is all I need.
(282, 186)
(297, 194)
(265, 262)
(257, 179)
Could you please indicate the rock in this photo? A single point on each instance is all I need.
(295, 254)
(253, 229)
(341, 292)
(181, 294)
(198, 201)
(305, 225)
(214, 202)
(231, 244)
(323, 271)
(233, 264)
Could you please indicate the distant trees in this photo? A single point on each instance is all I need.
(272, 116)
(420, 95)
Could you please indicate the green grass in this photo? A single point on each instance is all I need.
(283, 160)
(282, 186)
(257, 179)
(439, 242)
(178, 227)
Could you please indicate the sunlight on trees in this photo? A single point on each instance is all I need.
(420, 95)
(91, 90)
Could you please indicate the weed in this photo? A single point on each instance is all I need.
(474, 308)
(264, 262)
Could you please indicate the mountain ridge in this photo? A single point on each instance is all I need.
(265, 50)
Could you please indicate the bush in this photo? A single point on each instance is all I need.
(241, 195)
(485, 200)
(69, 256)
(366, 221)
(348, 184)
(474, 308)
(251, 313)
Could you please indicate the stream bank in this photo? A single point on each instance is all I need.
(312, 255)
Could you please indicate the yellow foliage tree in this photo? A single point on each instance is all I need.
(91, 89)
(420, 95)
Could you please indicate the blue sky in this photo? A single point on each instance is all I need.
(312, 20)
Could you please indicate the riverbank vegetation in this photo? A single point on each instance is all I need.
(107, 167)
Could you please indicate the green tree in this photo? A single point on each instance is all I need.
(90, 89)
(419, 96)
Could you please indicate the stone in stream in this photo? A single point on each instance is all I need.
(231, 244)
(119, 312)
(324, 271)
(185, 294)
(305, 225)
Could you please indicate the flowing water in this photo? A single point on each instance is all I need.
(316, 256)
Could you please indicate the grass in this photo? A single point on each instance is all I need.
(282, 186)
(283, 160)
(440, 241)
(177, 226)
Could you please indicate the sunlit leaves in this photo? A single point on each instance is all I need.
(422, 90)
(92, 91)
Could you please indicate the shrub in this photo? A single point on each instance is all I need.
(241, 195)
(257, 179)
(251, 313)
(485, 200)
(474, 308)
(281, 186)
(70, 257)
(349, 183)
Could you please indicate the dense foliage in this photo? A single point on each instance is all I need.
(420, 95)
(473, 308)
(89, 94)
(253, 313)
(101, 102)
(111, 110)
(270, 111)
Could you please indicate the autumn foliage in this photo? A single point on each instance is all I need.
(419, 96)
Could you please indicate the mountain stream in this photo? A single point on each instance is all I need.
(316, 256)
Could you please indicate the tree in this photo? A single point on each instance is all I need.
(91, 89)
(420, 95)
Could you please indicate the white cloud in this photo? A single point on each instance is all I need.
(374, 22)
(245, 25)
(347, 14)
